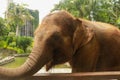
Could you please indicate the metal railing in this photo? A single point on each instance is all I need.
(73, 76)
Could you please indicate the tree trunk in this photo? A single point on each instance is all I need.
(17, 31)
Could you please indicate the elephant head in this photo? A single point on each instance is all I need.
(54, 43)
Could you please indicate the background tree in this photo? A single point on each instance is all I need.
(17, 16)
(96, 10)
(3, 29)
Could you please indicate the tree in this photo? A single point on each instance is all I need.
(35, 14)
(79, 8)
(17, 16)
(116, 12)
(96, 10)
(3, 29)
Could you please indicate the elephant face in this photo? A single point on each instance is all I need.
(65, 35)
(57, 33)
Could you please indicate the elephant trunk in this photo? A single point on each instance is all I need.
(36, 60)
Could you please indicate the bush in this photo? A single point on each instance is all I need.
(18, 50)
(8, 39)
(19, 44)
(13, 44)
(29, 49)
(3, 44)
(24, 42)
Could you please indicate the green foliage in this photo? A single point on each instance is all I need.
(3, 29)
(35, 14)
(12, 44)
(2, 44)
(24, 42)
(11, 34)
(29, 49)
(118, 21)
(16, 17)
(96, 10)
(19, 44)
(8, 39)
(18, 50)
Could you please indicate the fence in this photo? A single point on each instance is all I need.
(74, 76)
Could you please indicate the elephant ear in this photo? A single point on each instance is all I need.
(82, 34)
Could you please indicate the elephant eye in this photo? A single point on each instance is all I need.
(55, 41)
(56, 51)
(56, 36)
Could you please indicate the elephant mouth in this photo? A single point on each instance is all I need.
(56, 60)
(49, 65)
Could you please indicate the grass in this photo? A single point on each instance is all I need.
(18, 61)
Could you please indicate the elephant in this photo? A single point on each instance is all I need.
(88, 46)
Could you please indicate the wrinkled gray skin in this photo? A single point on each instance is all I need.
(88, 46)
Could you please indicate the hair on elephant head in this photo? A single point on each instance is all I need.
(63, 38)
